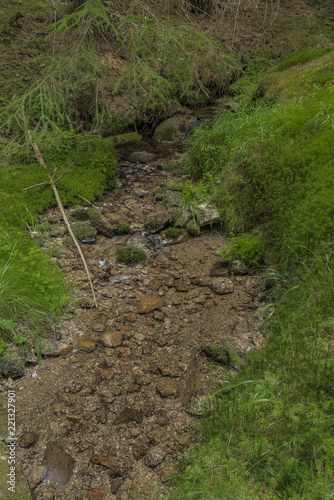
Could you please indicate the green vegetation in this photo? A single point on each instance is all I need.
(273, 163)
(247, 247)
(173, 232)
(268, 432)
(32, 288)
(131, 255)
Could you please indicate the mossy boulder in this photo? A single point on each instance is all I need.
(173, 198)
(193, 228)
(158, 221)
(179, 216)
(173, 128)
(96, 220)
(131, 255)
(173, 232)
(11, 367)
(123, 229)
(140, 157)
(84, 232)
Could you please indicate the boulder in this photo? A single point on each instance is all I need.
(158, 221)
(207, 214)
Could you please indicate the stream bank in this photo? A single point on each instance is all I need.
(112, 418)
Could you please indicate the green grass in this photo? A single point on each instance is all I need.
(32, 288)
(272, 163)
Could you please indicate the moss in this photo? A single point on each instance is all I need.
(173, 232)
(166, 133)
(131, 255)
(93, 171)
(84, 232)
(193, 228)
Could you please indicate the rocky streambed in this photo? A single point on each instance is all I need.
(118, 397)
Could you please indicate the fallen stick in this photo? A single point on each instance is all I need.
(52, 183)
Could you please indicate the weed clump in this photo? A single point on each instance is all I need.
(131, 255)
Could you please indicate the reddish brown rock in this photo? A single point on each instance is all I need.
(103, 459)
(148, 304)
(86, 345)
(112, 338)
(98, 493)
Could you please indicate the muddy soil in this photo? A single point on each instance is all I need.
(113, 418)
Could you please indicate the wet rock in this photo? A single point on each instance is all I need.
(30, 357)
(59, 463)
(155, 456)
(202, 281)
(104, 459)
(148, 304)
(158, 221)
(97, 221)
(207, 214)
(140, 157)
(144, 485)
(123, 229)
(222, 286)
(174, 128)
(98, 327)
(84, 232)
(238, 267)
(218, 270)
(98, 493)
(173, 198)
(167, 388)
(115, 485)
(43, 492)
(36, 476)
(170, 371)
(155, 284)
(85, 303)
(112, 338)
(128, 415)
(11, 367)
(161, 418)
(158, 435)
(86, 345)
(140, 447)
(28, 439)
(48, 347)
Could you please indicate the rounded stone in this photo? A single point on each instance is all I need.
(112, 338)
(167, 388)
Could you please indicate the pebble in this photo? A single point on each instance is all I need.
(167, 388)
(148, 304)
(28, 439)
(155, 456)
(112, 338)
(53, 348)
(86, 345)
(222, 286)
(98, 493)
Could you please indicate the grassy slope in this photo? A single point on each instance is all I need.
(273, 424)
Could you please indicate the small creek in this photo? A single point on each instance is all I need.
(112, 418)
